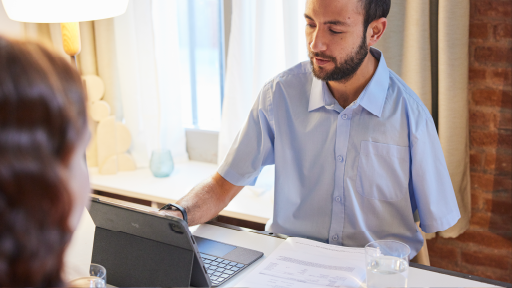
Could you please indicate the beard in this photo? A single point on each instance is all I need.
(342, 71)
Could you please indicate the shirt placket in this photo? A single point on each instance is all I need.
(338, 201)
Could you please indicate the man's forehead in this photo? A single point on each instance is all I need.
(344, 11)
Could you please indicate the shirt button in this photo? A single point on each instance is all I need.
(335, 237)
(338, 199)
(344, 117)
(340, 158)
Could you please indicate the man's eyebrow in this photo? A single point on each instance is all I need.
(330, 22)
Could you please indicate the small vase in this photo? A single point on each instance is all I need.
(161, 163)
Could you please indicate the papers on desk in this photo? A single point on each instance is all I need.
(299, 262)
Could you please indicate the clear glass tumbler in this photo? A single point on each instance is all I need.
(87, 282)
(387, 264)
(99, 271)
(97, 278)
(161, 163)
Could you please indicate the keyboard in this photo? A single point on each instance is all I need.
(220, 270)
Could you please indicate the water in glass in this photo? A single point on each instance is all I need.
(387, 271)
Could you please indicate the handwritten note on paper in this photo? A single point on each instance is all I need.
(305, 263)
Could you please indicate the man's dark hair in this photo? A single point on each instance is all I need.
(374, 9)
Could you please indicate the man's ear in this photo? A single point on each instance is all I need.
(375, 30)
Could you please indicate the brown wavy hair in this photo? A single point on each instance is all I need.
(42, 119)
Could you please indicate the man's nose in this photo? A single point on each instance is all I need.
(318, 43)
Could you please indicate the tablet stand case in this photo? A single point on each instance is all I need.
(139, 249)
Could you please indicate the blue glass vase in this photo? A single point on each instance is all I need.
(161, 163)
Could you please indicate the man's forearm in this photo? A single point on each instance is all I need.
(208, 198)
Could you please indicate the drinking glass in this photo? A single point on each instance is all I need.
(387, 264)
(161, 163)
(97, 278)
(89, 282)
(99, 271)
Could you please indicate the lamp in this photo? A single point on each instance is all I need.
(66, 12)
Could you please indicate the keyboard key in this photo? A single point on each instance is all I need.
(221, 265)
(206, 266)
(220, 269)
(208, 256)
(216, 273)
(215, 263)
(232, 263)
(235, 269)
(228, 267)
(207, 261)
(221, 279)
(210, 271)
(239, 265)
(226, 261)
(229, 272)
(224, 276)
(213, 278)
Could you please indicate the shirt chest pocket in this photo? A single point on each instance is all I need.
(383, 171)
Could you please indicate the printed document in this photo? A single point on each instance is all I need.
(299, 262)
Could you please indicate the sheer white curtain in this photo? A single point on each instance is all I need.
(267, 37)
(138, 58)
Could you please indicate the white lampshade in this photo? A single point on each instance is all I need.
(63, 11)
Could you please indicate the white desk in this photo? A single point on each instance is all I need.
(267, 244)
(252, 203)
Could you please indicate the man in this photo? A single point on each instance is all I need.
(356, 153)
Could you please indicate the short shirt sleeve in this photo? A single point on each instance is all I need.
(432, 188)
(253, 147)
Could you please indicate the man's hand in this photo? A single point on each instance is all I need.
(174, 213)
(207, 199)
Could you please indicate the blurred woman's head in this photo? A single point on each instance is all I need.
(43, 176)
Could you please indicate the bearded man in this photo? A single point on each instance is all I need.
(356, 152)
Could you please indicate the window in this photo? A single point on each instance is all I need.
(201, 41)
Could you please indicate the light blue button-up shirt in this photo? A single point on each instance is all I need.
(346, 176)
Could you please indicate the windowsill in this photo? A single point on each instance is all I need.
(252, 203)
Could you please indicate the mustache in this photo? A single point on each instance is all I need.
(312, 55)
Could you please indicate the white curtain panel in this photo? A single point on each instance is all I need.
(267, 37)
(137, 56)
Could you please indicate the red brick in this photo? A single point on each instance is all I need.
(485, 259)
(442, 251)
(477, 202)
(505, 141)
(482, 181)
(479, 221)
(500, 223)
(484, 139)
(485, 239)
(444, 263)
(480, 118)
(501, 76)
(477, 74)
(478, 31)
(493, 54)
(493, 98)
(502, 31)
(499, 206)
(494, 8)
(504, 121)
(499, 163)
(502, 183)
(475, 159)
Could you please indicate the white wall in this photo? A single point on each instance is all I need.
(10, 28)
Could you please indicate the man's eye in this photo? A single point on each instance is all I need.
(335, 32)
(310, 25)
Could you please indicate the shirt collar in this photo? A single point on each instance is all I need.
(373, 96)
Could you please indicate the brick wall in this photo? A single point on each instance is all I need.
(486, 248)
